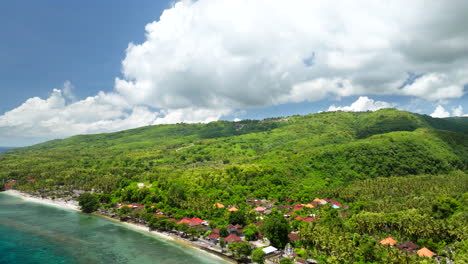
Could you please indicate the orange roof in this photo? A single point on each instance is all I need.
(388, 241)
(219, 205)
(233, 209)
(309, 205)
(425, 252)
(321, 201)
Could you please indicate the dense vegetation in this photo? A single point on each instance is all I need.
(386, 165)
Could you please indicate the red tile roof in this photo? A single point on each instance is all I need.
(191, 221)
(298, 207)
(308, 219)
(232, 238)
(213, 236)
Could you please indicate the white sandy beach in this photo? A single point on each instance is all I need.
(72, 205)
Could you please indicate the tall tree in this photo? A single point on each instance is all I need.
(276, 229)
(88, 202)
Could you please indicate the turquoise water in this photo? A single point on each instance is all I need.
(36, 233)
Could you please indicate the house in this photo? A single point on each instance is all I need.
(213, 237)
(425, 252)
(232, 238)
(308, 219)
(233, 209)
(320, 201)
(269, 250)
(191, 221)
(298, 207)
(293, 237)
(260, 209)
(335, 204)
(218, 205)
(388, 241)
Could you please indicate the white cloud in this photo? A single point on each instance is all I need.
(458, 111)
(440, 112)
(363, 103)
(237, 54)
(68, 91)
(54, 117)
(209, 58)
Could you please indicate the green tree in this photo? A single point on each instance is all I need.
(444, 207)
(223, 232)
(258, 256)
(276, 229)
(240, 249)
(124, 211)
(286, 261)
(88, 202)
(222, 243)
(250, 232)
(237, 218)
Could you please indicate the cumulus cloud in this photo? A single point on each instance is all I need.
(236, 54)
(440, 112)
(363, 103)
(209, 58)
(58, 116)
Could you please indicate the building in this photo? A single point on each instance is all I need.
(388, 241)
(232, 238)
(425, 252)
(218, 205)
(260, 209)
(269, 250)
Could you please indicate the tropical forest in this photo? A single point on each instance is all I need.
(334, 187)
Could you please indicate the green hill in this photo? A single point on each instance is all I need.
(400, 174)
(294, 156)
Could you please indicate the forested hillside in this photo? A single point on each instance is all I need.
(294, 156)
(402, 174)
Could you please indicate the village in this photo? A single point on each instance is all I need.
(233, 241)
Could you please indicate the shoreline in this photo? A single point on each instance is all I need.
(168, 237)
(74, 207)
(45, 201)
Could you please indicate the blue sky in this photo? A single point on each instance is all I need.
(65, 68)
(45, 43)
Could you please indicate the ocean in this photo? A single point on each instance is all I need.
(35, 233)
(3, 149)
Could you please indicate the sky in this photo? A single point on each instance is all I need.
(82, 67)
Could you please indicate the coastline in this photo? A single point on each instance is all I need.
(172, 238)
(74, 206)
